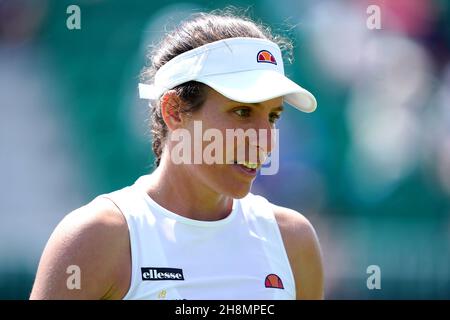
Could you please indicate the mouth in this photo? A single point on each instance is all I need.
(248, 168)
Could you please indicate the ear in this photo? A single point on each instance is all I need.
(170, 109)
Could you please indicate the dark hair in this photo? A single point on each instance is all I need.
(201, 29)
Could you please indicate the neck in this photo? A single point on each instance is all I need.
(176, 189)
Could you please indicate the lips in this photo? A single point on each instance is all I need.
(248, 169)
(244, 164)
(248, 165)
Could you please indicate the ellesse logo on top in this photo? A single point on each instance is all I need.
(161, 274)
(266, 57)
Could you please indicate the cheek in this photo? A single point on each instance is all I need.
(224, 180)
(216, 120)
(221, 144)
(211, 130)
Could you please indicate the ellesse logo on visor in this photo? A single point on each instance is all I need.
(266, 57)
(149, 274)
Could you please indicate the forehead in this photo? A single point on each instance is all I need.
(214, 97)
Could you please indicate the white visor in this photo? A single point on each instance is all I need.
(248, 70)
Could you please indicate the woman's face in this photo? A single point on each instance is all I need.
(229, 177)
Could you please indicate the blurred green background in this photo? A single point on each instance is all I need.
(370, 168)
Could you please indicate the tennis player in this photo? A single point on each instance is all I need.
(193, 230)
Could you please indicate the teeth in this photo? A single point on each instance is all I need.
(249, 165)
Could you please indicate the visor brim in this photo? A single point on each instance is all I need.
(256, 86)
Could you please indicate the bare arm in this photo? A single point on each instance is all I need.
(93, 238)
(302, 246)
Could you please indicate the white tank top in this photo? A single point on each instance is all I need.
(173, 257)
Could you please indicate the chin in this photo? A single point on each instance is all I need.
(228, 183)
(239, 192)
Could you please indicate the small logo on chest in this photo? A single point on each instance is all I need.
(152, 273)
(273, 281)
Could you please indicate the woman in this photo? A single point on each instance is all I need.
(191, 229)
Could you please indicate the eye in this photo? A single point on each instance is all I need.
(274, 117)
(242, 112)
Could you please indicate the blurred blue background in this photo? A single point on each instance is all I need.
(370, 168)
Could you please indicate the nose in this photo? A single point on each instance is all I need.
(262, 144)
(266, 136)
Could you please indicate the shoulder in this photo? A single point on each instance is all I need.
(303, 249)
(295, 227)
(93, 238)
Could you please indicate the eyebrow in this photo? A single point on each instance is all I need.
(258, 104)
(279, 108)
